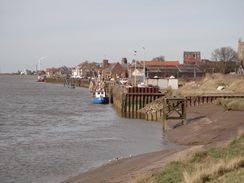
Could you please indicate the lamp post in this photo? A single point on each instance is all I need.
(144, 67)
(40, 63)
(135, 68)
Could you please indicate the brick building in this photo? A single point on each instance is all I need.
(114, 70)
(191, 57)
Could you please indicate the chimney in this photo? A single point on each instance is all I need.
(124, 61)
(105, 63)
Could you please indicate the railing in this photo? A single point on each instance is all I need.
(197, 100)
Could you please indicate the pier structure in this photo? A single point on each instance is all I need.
(129, 100)
(174, 109)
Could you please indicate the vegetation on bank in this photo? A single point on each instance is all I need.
(213, 165)
(236, 104)
(209, 84)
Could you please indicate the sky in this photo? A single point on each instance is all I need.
(69, 32)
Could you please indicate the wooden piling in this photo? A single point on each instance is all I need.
(176, 106)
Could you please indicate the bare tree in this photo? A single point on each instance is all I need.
(160, 58)
(224, 54)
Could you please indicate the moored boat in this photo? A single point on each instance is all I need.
(41, 79)
(100, 97)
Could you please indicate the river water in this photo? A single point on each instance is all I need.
(49, 133)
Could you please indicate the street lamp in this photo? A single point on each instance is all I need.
(144, 66)
(135, 68)
(40, 62)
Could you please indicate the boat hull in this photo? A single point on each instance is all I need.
(100, 100)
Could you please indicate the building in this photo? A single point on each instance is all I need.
(191, 57)
(178, 71)
(87, 70)
(114, 70)
(241, 52)
(51, 72)
(154, 68)
(159, 63)
(125, 65)
(136, 70)
(26, 72)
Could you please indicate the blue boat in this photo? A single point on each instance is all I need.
(100, 97)
(72, 86)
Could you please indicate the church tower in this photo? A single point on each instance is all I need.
(241, 52)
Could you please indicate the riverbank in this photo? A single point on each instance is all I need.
(18, 76)
(208, 125)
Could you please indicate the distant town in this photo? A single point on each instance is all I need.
(226, 60)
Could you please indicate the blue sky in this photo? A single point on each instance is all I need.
(70, 32)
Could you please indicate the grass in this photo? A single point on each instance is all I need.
(232, 103)
(209, 85)
(213, 165)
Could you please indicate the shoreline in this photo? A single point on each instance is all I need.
(18, 76)
(207, 125)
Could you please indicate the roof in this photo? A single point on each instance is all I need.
(180, 68)
(160, 62)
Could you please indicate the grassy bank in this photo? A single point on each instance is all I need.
(209, 84)
(213, 165)
(232, 104)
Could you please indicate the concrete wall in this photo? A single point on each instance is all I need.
(163, 83)
(173, 83)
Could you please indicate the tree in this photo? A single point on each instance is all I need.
(160, 58)
(225, 60)
(225, 54)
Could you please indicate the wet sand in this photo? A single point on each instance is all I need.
(207, 125)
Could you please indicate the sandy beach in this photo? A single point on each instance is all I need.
(207, 125)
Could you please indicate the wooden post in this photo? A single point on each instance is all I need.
(184, 112)
(127, 103)
(176, 106)
(164, 114)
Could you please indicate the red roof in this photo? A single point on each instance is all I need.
(160, 62)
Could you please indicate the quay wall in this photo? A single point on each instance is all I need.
(128, 101)
(77, 82)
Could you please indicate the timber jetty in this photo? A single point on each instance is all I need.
(129, 100)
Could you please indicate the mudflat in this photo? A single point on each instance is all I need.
(207, 125)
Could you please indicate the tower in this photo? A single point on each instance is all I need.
(241, 52)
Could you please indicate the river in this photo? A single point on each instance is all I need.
(49, 133)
